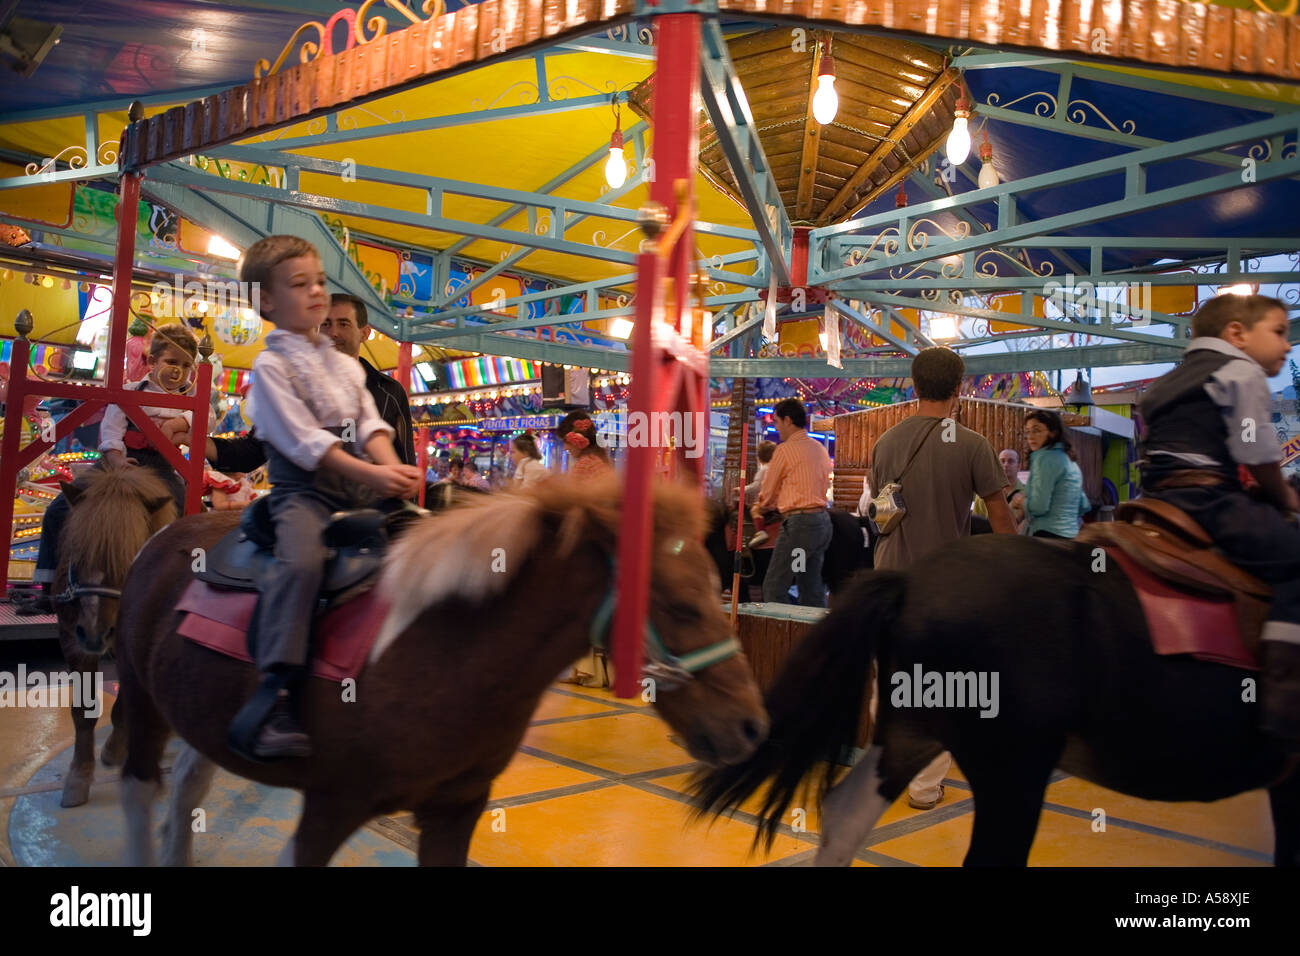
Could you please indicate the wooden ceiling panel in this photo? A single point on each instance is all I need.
(895, 106)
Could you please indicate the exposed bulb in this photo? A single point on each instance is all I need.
(988, 175)
(958, 147)
(826, 102)
(615, 168)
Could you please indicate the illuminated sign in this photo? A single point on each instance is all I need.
(521, 422)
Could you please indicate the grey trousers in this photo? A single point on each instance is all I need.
(811, 534)
(291, 585)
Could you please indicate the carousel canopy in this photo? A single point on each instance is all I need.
(491, 179)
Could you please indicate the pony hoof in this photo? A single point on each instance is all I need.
(113, 755)
(76, 791)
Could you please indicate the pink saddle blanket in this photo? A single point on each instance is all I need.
(218, 620)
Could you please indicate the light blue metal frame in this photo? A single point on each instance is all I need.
(244, 220)
(728, 109)
(1009, 229)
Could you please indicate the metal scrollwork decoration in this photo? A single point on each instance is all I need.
(358, 21)
(379, 25)
(917, 239)
(311, 49)
(348, 120)
(1074, 110)
(528, 94)
(986, 265)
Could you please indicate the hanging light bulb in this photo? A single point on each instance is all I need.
(616, 165)
(988, 175)
(826, 102)
(901, 199)
(958, 146)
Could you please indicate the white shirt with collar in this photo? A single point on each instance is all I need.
(300, 389)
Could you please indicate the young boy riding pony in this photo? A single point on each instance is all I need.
(1204, 419)
(328, 450)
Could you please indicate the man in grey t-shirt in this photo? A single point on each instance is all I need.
(953, 464)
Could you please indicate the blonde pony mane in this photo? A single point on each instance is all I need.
(474, 551)
(116, 512)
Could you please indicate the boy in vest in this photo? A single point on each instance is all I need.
(327, 450)
(1203, 419)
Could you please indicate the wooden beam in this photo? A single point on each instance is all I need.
(811, 146)
(913, 116)
(903, 171)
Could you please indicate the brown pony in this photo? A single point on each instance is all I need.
(114, 512)
(489, 602)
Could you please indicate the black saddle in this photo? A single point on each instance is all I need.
(356, 541)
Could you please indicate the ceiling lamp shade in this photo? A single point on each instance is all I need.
(1080, 393)
(826, 102)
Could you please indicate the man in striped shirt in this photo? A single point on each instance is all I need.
(796, 484)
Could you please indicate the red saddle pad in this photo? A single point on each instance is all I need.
(218, 619)
(1183, 623)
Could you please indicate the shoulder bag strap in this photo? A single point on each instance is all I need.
(921, 445)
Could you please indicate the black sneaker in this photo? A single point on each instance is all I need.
(31, 603)
(281, 735)
(1279, 692)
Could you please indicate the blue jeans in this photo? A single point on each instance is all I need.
(810, 533)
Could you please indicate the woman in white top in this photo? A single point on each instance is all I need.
(529, 469)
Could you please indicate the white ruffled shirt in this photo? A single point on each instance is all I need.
(300, 389)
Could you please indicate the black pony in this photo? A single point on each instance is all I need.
(1079, 688)
(845, 555)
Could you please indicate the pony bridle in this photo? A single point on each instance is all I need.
(75, 592)
(669, 671)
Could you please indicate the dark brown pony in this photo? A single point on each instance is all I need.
(489, 603)
(114, 512)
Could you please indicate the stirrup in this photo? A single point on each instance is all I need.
(243, 730)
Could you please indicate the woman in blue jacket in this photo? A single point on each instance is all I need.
(1054, 498)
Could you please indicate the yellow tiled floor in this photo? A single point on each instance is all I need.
(598, 783)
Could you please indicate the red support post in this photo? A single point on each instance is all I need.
(403, 375)
(676, 150)
(799, 257)
(422, 456)
(15, 396)
(128, 214)
(193, 471)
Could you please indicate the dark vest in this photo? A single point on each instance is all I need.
(1180, 417)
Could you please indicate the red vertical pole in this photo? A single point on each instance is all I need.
(677, 75)
(15, 397)
(422, 456)
(128, 213)
(198, 440)
(404, 365)
(740, 527)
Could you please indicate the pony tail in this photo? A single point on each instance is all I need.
(814, 707)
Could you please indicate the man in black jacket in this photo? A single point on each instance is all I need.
(348, 325)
